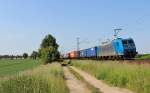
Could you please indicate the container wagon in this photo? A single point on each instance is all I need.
(116, 49)
(91, 52)
(82, 54)
(73, 54)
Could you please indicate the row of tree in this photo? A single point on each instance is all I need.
(48, 51)
(34, 55)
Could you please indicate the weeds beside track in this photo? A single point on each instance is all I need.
(134, 77)
(44, 79)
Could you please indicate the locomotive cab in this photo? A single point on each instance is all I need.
(129, 48)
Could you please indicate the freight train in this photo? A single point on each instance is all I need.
(116, 49)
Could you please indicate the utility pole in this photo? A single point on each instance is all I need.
(78, 43)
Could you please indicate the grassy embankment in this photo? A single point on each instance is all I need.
(10, 67)
(145, 56)
(43, 79)
(131, 76)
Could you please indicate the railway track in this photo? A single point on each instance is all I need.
(131, 61)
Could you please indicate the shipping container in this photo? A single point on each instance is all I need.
(73, 54)
(91, 52)
(82, 53)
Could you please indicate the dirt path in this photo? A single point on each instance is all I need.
(104, 88)
(74, 85)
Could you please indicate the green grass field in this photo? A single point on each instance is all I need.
(30, 76)
(43, 79)
(145, 56)
(10, 67)
(131, 76)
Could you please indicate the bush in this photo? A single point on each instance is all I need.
(25, 55)
(48, 55)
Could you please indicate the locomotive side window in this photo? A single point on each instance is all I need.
(130, 42)
(125, 42)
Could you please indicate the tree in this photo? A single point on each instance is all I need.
(34, 55)
(25, 55)
(48, 41)
(49, 49)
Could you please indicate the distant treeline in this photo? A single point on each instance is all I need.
(11, 57)
(34, 55)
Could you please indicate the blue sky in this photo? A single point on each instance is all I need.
(24, 23)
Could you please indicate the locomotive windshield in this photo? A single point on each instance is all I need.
(128, 42)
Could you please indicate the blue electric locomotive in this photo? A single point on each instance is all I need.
(117, 49)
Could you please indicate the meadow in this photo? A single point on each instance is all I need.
(144, 56)
(11, 67)
(30, 76)
(132, 76)
(43, 79)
